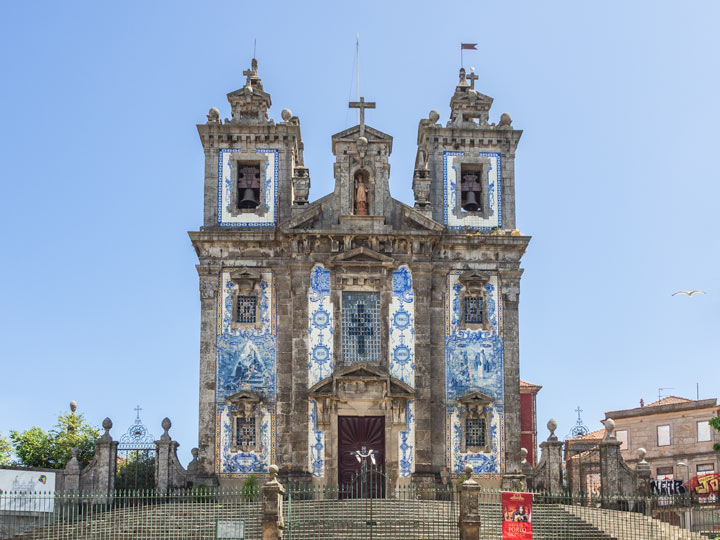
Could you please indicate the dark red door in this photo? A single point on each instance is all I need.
(354, 433)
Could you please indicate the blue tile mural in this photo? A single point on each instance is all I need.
(320, 358)
(406, 443)
(474, 363)
(494, 195)
(246, 360)
(226, 217)
(402, 327)
(316, 443)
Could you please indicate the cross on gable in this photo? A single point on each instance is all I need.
(472, 78)
(362, 105)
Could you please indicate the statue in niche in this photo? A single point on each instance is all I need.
(361, 194)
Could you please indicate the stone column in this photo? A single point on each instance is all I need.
(610, 460)
(551, 450)
(469, 522)
(643, 479)
(272, 517)
(72, 472)
(422, 283)
(510, 287)
(169, 474)
(437, 367)
(209, 286)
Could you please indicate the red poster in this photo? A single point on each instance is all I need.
(517, 516)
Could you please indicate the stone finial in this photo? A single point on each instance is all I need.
(213, 116)
(641, 453)
(286, 115)
(273, 470)
(609, 429)
(523, 455)
(195, 453)
(107, 426)
(552, 426)
(434, 116)
(505, 121)
(73, 406)
(73, 453)
(73, 465)
(166, 425)
(469, 475)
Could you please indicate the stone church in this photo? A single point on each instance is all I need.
(355, 320)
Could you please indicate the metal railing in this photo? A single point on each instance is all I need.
(408, 511)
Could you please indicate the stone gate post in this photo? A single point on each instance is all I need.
(610, 459)
(469, 522)
(551, 474)
(169, 474)
(272, 518)
(643, 480)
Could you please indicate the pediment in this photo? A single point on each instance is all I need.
(475, 398)
(244, 396)
(418, 219)
(371, 134)
(474, 280)
(311, 214)
(361, 256)
(328, 387)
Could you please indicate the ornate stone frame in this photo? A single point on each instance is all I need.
(473, 283)
(370, 182)
(475, 405)
(246, 283)
(246, 158)
(472, 162)
(245, 405)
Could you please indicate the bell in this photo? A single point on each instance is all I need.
(248, 200)
(470, 204)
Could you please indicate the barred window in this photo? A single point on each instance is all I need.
(360, 327)
(475, 432)
(473, 310)
(246, 309)
(245, 431)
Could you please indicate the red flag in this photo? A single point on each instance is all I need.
(517, 516)
(469, 46)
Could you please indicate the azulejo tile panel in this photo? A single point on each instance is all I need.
(474, 363)
(320, 326)
(246, 360)
(402, 327)
(225, 198)
(406, 443)
(451, 171)
(316, 443)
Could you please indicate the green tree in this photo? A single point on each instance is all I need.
(715, 423)
(5, 451)
(36, 447)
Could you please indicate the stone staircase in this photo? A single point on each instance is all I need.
(351, 519)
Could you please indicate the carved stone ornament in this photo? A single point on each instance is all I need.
(213, 116)
(474, 281)
(245, 279)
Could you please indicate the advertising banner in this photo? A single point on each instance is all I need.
(517, 516)
(26, 491)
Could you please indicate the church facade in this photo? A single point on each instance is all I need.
(355, 322)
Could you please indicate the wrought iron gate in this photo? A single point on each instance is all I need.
(136, 457)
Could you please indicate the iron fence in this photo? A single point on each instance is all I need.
(337, 512)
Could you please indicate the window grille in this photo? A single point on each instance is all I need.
(360, 327)
(475, 432)
(473, 310)
(245, 431)
(246, 309)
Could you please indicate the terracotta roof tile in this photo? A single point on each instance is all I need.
(669, 400)
(525, 384)
(597, 435)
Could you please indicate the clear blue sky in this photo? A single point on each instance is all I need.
(101, 176)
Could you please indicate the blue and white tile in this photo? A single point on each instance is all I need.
(246, 360)
(474, 363)
(316, 443)
(225, 195)
(402, 327)
(406, 443)
(320, 326)
(451, 166)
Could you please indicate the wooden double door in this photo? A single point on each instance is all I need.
(361, 434)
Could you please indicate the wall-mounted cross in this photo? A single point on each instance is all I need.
(362, 105)
(472, 78)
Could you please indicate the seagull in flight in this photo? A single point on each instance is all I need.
(688, 293)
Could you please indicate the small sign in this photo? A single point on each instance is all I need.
(227, 530)
(517, 516)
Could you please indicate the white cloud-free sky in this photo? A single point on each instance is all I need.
(101, 174)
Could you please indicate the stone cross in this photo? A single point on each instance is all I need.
(472, 78)
(362, 105)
